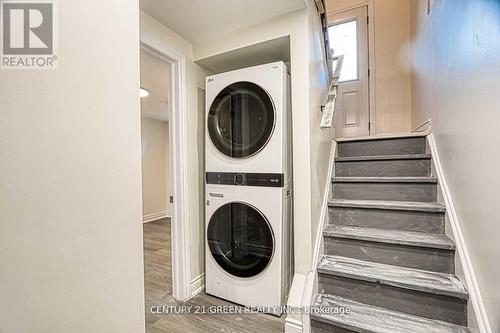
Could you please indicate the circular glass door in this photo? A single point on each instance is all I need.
(241, 120)
(240, 239)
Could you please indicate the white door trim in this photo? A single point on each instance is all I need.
(181, 281)
(371, 55)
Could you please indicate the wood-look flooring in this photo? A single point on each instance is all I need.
(158, 291)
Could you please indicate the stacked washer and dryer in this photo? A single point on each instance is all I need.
(249, 255)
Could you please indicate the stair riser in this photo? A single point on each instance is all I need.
(320, 327)
(430, 259)
(444, 308)
(391, 168)
(425, 192)
(401, 146)
(388, 219)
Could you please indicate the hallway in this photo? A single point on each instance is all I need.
(158, 291)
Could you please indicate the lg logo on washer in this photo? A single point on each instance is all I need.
(28, 38)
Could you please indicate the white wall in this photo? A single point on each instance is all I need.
(71, 257)
(156, 188)
(321, 140)
(195, 79)
(455, 82)
(392, 66)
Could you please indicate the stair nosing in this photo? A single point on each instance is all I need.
(378, 278)
(434, 207)
(382, 137)
(362, 326)
(414, 180)
(328, 232)
(341, 159)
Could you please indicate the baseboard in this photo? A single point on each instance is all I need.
(294, 320)
(324, 208)
(293, 325)
(156, 216)
(424, 128)
(310, 293)
(197, 284)
(463, 254)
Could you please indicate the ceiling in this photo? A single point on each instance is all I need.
(155, 77)
(202, 20)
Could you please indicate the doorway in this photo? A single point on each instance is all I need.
(348, 36)
(177, 119)
(155, 85)
(155, 138)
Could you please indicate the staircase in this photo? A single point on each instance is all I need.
(387, 257)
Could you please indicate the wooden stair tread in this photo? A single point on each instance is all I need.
(391, 205)
(399, 237)
(384, 180)
(383, 157)
(367, 318)
(379, 137)
(396, 276)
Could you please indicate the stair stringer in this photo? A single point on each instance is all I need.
(311, 284)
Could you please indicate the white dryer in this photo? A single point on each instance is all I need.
(248, 121)
(248, 252)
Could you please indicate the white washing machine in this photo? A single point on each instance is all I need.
(248, 120)
(248, 251)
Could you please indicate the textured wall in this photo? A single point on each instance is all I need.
(456, 83)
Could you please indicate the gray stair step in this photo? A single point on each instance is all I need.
(382, 137)
(389, 205)
(415, 292)
(370, 319)
(418, 239)
(386, 188)
(433, 252)
(383, 157)
(388, 215)
(396, 276)
(384, 165)
(432, 180)
(382, 146)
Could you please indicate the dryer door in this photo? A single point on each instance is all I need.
(241, 120)
(240, 239)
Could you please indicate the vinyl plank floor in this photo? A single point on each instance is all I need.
(158, 291)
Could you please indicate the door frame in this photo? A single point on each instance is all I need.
(371, 56)
(181, 272)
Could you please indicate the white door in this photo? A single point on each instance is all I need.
(348, 36)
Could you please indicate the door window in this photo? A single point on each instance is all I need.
(240, 239)
(344, 41)
(241, 120)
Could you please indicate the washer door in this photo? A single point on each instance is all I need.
(240, 239)
(241, 120)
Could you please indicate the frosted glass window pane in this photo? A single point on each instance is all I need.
(343, 41)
